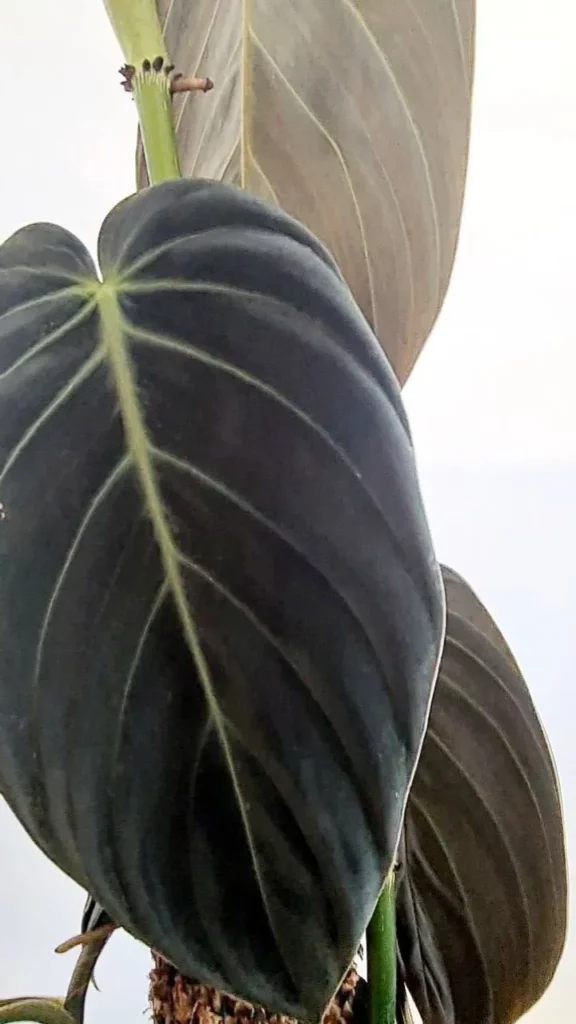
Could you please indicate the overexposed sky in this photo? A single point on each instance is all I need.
(496, 380)
(492, 401)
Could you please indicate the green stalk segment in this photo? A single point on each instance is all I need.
(138, 30)
(381, 953)
(154, 105)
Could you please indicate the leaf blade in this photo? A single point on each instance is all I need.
(482, 908)
(34, 1008)
(214, 497)
(361, 107)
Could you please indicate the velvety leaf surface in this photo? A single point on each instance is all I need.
(352, 115)
(482, 901)
(220, 611)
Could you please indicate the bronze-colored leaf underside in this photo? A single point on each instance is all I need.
(352, 115)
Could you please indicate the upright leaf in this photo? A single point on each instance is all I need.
(352, 115)
(482, 902)
(220, 612)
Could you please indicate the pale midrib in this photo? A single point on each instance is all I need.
(246, 92)
(140, 451)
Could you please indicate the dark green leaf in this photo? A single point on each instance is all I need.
(482, 904)
(220, 612)
(352, 115)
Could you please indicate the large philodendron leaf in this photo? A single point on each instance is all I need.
(352, 115)
(220, 612)
(483, 899)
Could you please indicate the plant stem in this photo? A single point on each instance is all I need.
(154, 105)
(381, 953)
(137, 28)
(147, 75)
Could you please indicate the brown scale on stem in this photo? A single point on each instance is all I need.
(178, 82)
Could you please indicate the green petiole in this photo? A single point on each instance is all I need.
(147, 76)
(381, 954)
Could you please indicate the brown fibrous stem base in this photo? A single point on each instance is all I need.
(177, 82)
(175, 999)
